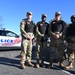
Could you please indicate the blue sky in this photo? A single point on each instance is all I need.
(13, 11)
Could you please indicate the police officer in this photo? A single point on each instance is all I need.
(27, 29)
(70, 38)
(55, 32)
(41, 28)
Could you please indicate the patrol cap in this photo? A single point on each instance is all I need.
(44, 15)
(73, 16)
(29, 13)
(57, 13)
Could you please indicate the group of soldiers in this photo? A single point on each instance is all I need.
(42, 30)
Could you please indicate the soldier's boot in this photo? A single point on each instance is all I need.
(37, 63)
(23, 66)
(61, 64)
(42, 63)
(51, 64)
(30, 64)
(69, 66)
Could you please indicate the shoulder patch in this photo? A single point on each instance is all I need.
(41, 24)
(53, 22)
(28, 22)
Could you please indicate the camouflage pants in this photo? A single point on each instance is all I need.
(41, 45)
(71, 52)
(59, 45)
(26, 50)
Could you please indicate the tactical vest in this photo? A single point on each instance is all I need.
(71, 30)
(57, 26)
(42, 27)
(29, 26)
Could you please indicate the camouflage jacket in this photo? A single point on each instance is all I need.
(24, 34)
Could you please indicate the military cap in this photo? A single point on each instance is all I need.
(57, 13)
(73, 16)
(44, 15)
(29, 13)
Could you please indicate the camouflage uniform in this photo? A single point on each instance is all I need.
(41, 38)
(70, 38)
(56, 27)
(40, 44)
(26, 44)
(56, 44)
(71, 51)
(26, 47)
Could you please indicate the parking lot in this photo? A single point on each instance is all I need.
(9, 65)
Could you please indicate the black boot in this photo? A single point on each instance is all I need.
(51, 64)
(42, 63)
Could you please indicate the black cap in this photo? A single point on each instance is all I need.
(44, 15)
(73, 16)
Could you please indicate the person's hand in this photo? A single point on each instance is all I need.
(31, 37)
(56, 36)
(42, 34)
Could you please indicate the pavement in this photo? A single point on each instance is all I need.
(10, 65)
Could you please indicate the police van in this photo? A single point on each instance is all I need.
(9, 40)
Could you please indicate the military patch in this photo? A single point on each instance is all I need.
(41, 24)
(28, 22)
(53, 22)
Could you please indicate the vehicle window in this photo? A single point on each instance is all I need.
(11, 34)
(2, 33)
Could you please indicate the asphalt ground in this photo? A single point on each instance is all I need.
(10, 65)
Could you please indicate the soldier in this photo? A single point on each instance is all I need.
(55, 32)
(70, 38)
(41, 29)
(27, 29)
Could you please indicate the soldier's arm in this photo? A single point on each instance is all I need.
(67, 38)
(38, 32)
(34, 30)
(22, 26)
(63, 29)
(46, 33)
(49, 31)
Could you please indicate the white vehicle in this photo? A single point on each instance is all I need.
(9, 40)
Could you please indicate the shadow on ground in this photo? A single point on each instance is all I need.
(9, 62)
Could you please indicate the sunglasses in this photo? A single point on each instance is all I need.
(57, 15)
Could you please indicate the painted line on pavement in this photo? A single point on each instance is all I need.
(61, 69)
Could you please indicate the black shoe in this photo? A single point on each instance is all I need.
(51, 65)
(42, 64)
